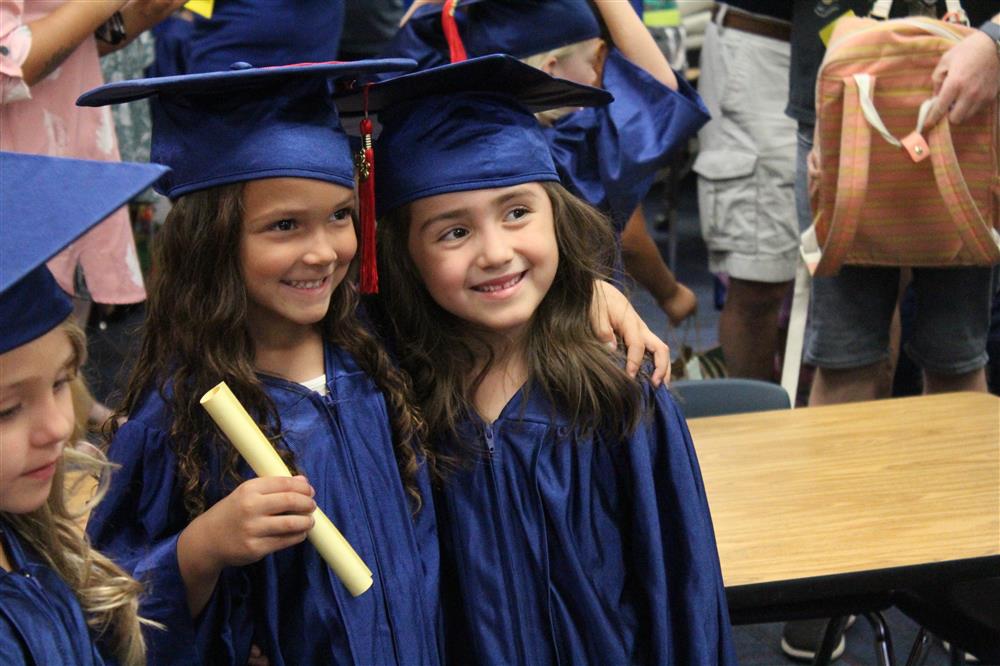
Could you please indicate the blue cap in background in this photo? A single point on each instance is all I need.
(520, 28)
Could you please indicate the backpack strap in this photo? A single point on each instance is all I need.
(852, 182)
(978, 236)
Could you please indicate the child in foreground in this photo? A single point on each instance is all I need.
(61, 601)
(576, 525)
(254, 286)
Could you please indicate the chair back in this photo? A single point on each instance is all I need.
(730, 395)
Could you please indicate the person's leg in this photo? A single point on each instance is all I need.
(748, 327)
(951, 328)
(833, 387)
(848, 333)
(746, 167)
(969, 381)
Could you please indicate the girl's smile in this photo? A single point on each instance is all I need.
(500, 287)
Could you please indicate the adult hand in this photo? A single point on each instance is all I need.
(965, 79)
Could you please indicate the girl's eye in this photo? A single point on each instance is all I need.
(284, 225)
(9, 412)
(455, 234)
(62, 383)
(342, 214)
(517, 213)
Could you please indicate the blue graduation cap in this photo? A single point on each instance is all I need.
(437, 34)
(464, 126)
(248, 123)
(45, 204)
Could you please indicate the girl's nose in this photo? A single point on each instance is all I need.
(495, 249)
(53, 422)
(322, 250)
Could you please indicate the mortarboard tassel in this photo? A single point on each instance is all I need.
(365, 162)
(455, 46)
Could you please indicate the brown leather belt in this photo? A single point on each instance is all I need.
(756, 24)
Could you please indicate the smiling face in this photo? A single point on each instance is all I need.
(486, 256)
(36, 418)
(296, 245)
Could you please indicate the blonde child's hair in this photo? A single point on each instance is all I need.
(108, 596)
(538, 61)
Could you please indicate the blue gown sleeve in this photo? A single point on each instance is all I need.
(609, 155)
(138, 524)
(674, 543)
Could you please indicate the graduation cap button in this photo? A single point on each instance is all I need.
(238, 65)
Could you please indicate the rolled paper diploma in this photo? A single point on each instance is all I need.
(235, 422)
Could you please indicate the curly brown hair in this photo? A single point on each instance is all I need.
(196, 334)
(576, 372)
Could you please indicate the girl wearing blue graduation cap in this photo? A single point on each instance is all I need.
(575, 527)
(60, 600)
(254, 285)
(609, 155)
(251, 287)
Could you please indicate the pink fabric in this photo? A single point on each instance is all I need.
(45, 120)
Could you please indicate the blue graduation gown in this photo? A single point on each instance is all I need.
(41, 621)
(575, 550)
(290, 603)
(608, 156)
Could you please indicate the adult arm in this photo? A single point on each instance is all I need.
(56, 35)
(139, 16)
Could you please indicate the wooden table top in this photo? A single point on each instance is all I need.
(861, 487)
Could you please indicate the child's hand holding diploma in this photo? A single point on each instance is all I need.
(259, 517)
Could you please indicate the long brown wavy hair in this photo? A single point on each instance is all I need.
(196, 334)
(108, 596)
(576, 372)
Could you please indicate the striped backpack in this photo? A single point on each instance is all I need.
(889, 192)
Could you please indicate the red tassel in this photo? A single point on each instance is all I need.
(365, 162)
(455, 46)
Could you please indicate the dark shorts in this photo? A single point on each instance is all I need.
(850, 313)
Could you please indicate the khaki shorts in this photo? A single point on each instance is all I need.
(746, 158)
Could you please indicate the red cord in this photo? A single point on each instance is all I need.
(455, 47)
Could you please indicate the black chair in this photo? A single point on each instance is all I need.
(966, 615)
(716, 397)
